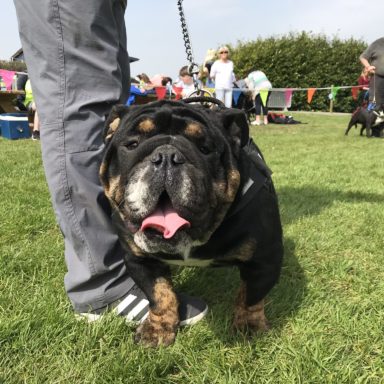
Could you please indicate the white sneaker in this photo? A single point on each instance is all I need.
(255, 123)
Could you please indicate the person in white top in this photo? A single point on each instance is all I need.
(223, 76)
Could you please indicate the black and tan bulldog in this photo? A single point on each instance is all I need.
(188, 187)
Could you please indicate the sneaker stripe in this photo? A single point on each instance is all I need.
(142, 315)
(143, 304)
(124, 304)
(130, 307)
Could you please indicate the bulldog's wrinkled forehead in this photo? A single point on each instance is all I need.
(168, 121)
(172, 118)
(190, 128)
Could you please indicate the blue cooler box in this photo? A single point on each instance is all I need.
(14, 126)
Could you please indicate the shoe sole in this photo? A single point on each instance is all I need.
(195, 319)
(88, 317)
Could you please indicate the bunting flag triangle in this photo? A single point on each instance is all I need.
(355, 92)
(288, 96)
(236, 94)
(310, 92)
(7, 78)
(160, 92)
(264, 96)
(334, 91)
(178, 91)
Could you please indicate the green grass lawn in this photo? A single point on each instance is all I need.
(327, 312)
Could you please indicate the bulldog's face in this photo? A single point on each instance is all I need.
(170, 172)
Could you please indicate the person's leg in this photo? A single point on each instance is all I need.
(78, 64)
(379, 86)
(258, 105)
(77, 60)
(375, 88)
(228, 98)
(265, 108)
(36, 123)
(219, 94)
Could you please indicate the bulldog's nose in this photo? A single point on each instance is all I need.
(168, 157)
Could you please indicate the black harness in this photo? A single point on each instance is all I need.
(257, 176)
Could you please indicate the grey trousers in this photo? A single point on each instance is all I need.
(376, 89)
(78, 64)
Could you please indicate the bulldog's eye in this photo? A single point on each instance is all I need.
(204, 149)
(132, 144)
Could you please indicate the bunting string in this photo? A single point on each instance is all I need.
(161, 93)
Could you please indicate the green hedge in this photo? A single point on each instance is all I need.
(303, 60)
(13, 65)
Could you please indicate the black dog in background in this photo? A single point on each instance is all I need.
(372, 121)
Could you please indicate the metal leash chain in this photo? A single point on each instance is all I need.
(193, 68)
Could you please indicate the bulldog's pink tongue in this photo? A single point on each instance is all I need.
(166, 221)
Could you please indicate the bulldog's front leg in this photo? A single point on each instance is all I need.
(257, 280)
(160, 327)
(154, 279)
(249, 318)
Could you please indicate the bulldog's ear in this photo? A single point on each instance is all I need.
(236, 124)
(113, 121)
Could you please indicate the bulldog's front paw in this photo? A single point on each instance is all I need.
(250, 319)
(155, 333)
(249, 322)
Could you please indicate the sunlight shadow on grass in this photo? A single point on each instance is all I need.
(218, 286)
(296, 202)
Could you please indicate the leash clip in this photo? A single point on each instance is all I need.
(193, 70)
